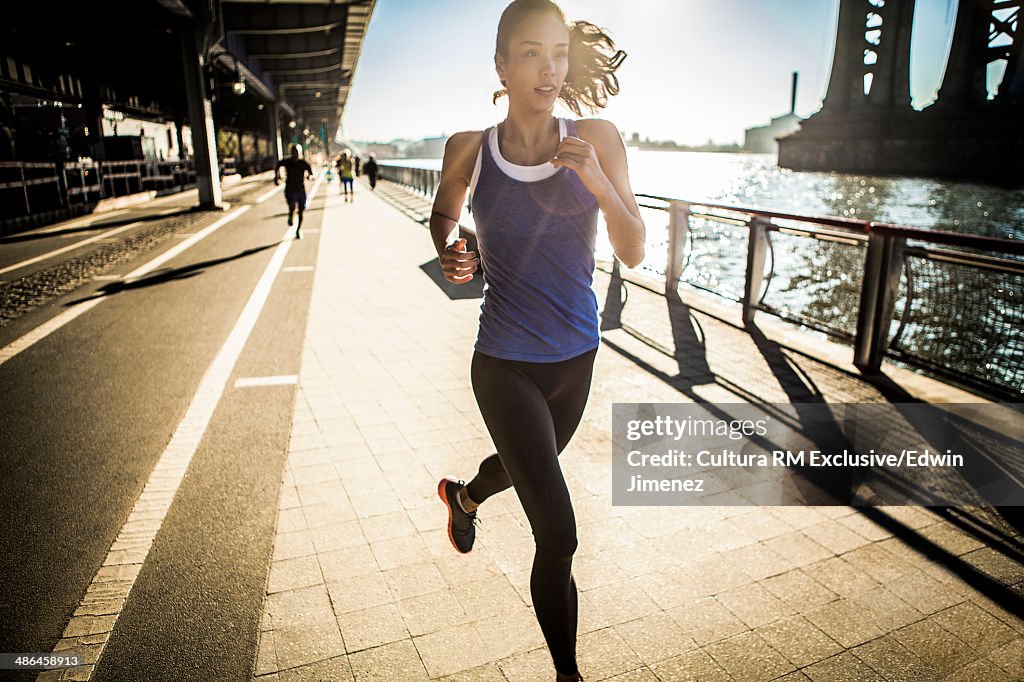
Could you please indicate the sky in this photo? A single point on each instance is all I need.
(696, 70)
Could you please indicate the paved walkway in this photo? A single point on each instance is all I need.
(365, 585)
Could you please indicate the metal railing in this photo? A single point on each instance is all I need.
(948, 302)
(422, 180)
(21, 183)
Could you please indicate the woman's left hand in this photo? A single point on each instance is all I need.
(580, 156)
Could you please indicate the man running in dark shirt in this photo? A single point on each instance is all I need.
(295, 170)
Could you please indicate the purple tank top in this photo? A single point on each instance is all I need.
(536, 243)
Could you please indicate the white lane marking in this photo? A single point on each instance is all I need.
(69, 247)
(279, 380)
(47, 328)
(93, 621)
(178, 248)
(106, 278)
(298, 268)
(87, 220)
(266, 195)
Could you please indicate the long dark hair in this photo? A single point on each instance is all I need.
(593, 58)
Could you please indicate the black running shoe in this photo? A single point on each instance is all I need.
(298, 232)
(461, 529)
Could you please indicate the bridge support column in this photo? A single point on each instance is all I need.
(204, 139)
(276, 147)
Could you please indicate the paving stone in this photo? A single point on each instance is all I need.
(982, 631)
(655, 637)
(924, 593)
(798, 590)
(747, 656)
(843, 621)
(707, 620)
(936, 646)
(885, 609)
(982, 670)
(842, 668)
(605, 651)
(395, 661)
(693, 665)
(754, 604)
(292, 574)
(372, 627)
(799, 640)
(1010, 657)
(308, 643)
(335, 669)
(621, 602)
(893, 661)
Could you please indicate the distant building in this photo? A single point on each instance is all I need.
(429, 148)
(762, 139)
(382, 150)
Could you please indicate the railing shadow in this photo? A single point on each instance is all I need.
(807, 398)
(474, 288)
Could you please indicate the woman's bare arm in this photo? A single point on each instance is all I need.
(451, 189)
(456, 169)
(626, 230)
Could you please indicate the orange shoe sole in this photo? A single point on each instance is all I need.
(444, 498)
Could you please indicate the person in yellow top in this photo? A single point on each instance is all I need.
(345, 172)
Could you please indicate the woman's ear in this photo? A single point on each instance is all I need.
(499, 66)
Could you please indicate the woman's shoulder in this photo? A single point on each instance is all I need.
(466, 139)
(597, 131)
(460, 152)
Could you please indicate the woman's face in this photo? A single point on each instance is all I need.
(537, 62)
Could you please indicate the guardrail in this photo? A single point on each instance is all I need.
(82, 182)
(16, 177)
(422, 180)
(948, 302)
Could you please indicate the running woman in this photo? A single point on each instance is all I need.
(295, 171)
(536, 183)
(346, 175)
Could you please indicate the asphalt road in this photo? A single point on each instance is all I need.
(87, 411)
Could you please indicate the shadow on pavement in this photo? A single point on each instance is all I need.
(167, 275)
(474, 288)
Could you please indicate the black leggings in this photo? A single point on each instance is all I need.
(531, 410)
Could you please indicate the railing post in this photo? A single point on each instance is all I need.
(678, 229)
(24, 189)
(611, 316)
(757, 250)
(882, 268)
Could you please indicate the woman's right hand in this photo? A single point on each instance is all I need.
(457, 264)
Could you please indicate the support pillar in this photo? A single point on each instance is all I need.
(846, 82)
(275, 133)
(201, 115)
(890, 87)
(965, 80)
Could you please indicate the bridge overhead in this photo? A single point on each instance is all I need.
(974, 131)
(215, 86)
(308, 51)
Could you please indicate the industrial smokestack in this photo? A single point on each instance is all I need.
(792, 96)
